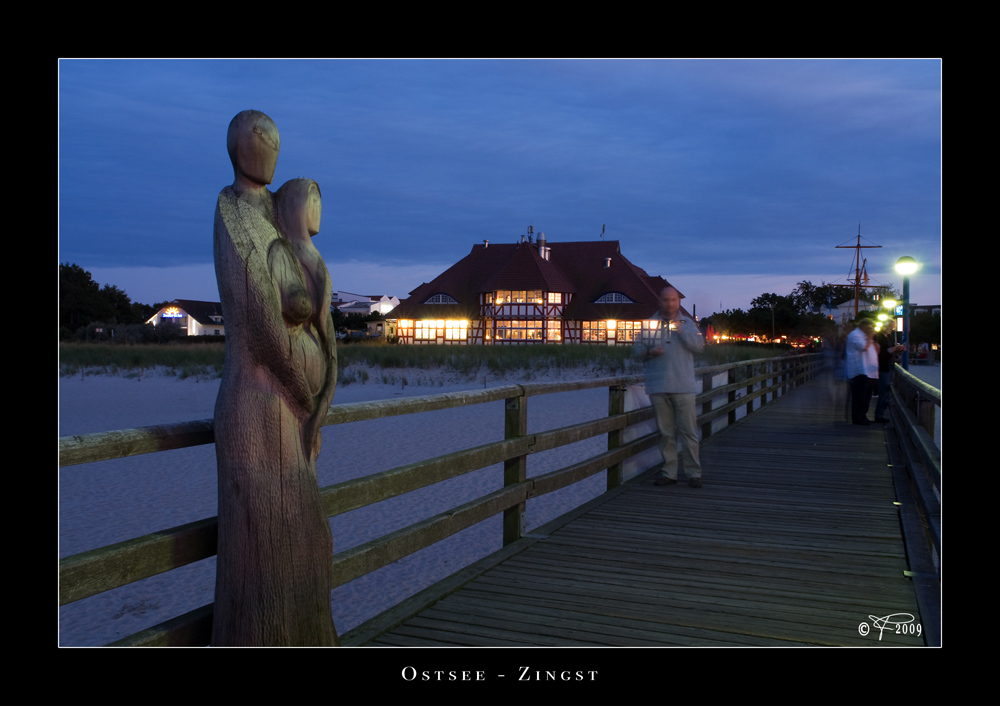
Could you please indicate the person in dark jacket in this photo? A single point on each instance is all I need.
(888, 352)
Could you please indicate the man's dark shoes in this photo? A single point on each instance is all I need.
(695, 482)
(664, 481)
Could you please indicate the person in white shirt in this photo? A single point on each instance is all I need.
(861, 369)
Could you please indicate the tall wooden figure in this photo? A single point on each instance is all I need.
(274, 569)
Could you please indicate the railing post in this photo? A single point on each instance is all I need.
(616, 405)
(515, 470)
(925, 413)
(750, 375)
(706, 406)
(731, 380)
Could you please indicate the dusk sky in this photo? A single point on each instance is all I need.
(729, 178)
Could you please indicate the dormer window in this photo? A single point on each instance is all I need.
(441, 299)
(531, 296)
(614, 298)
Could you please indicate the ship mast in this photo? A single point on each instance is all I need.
(860, 280)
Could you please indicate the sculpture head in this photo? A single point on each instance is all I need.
(253, 144)
(299, 206)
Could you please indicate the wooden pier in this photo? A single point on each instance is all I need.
(794, 540)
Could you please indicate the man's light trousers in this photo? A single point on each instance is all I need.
(675, 418)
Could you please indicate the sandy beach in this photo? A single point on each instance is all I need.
(111, 501)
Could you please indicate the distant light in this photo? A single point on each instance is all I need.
(889, 303)
(906, 265)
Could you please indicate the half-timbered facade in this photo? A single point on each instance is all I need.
(532, 292)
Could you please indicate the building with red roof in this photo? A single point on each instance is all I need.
(532, 292)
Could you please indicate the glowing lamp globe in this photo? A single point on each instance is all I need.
(906, 265)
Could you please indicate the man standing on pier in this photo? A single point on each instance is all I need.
(667, 348)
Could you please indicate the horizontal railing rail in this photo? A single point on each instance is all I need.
(105, 568)
(914, 408)
(916, 463)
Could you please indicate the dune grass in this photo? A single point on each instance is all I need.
(201, 360)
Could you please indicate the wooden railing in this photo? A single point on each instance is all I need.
(916, 462)
(105, 568)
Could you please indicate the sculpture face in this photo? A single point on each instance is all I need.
(253, 146)
(313, 210)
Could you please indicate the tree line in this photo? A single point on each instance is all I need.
(89, 311)
(800, 314)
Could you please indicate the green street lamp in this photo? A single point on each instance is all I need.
(906, 266)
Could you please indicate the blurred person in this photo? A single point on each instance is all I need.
(888, 354)
(667, 348)
(861, 369)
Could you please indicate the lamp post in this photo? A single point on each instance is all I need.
(906, 266)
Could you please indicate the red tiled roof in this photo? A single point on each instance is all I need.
(525, 270)
(576, 267)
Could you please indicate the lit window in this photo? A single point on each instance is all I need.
(425, 330)
(507, 296)
(519, 330)
(628, 330)
(555, 297)
(595, 331)
(456, 330)
(553, 330)
(441, 299)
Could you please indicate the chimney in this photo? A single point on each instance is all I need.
(542, 250)
(486, 244)
(607, 262)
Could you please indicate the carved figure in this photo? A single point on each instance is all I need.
(274, 567)
(304, 285)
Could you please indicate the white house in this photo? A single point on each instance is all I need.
(364, 304)
(194, 318)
